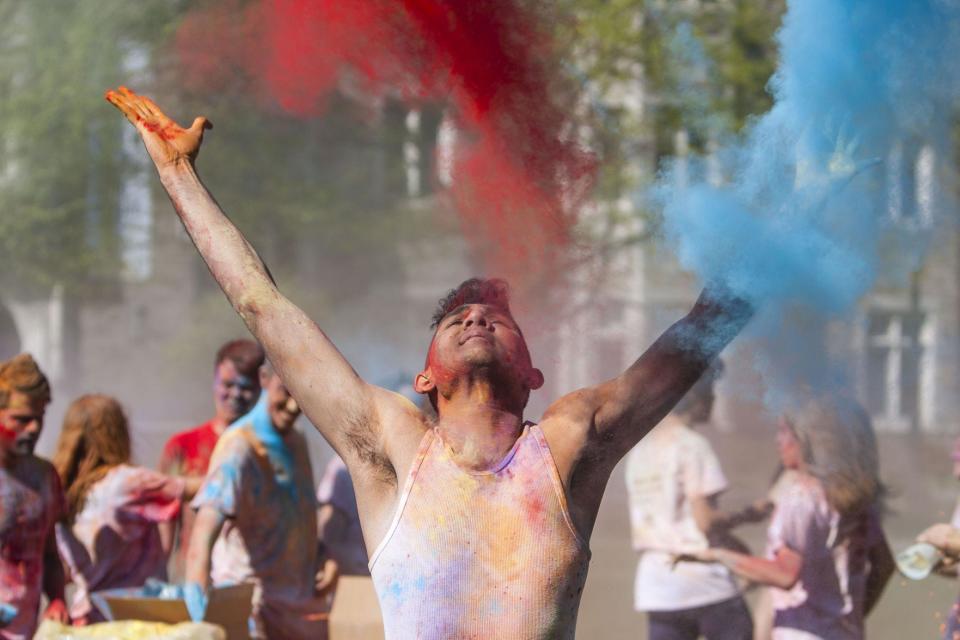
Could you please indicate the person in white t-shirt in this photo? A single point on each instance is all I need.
(673, 481)
(827, 555)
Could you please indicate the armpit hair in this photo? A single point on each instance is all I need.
(364, 445)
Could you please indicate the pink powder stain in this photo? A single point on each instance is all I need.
(7, 435)
(519, 179)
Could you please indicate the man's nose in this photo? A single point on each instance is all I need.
(33, 426)
(477, 317)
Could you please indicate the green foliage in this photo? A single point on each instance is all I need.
(709, 84)
(60, 161)
(327, 192)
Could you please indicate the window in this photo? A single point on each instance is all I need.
(910, 183)
(893, 366)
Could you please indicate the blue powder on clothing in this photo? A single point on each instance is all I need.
(278, 451)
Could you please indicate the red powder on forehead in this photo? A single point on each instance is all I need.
(519, 177)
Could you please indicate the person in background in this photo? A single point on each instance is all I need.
(119, 524)
(763, 603)
(674, 481)
(338, 518)
(256, 522)
(827, 557)
(31, 503)
(338, 521)
(236, 387)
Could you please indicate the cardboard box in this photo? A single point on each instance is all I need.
(356, 612)
(228, 607)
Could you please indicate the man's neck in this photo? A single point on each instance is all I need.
(479, 433)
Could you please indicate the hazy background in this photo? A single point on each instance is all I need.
(350, 211)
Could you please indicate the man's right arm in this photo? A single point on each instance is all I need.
(337, 401)
(206, 528)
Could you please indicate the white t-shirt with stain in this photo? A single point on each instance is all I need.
(669, 467)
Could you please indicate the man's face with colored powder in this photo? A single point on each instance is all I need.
(22, 422)
(234, 394)
(281, 406)
(480, 335)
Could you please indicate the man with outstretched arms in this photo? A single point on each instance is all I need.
(477, 524)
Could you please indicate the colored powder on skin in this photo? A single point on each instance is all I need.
(7, 436)
(519, 176)
(801, 222)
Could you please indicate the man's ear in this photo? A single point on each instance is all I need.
(424, 383)
(534, 379)
(263, 375)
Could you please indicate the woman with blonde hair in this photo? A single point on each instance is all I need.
(118, 529)
(827, 557)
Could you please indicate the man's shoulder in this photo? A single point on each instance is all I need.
(36, 473)
(690, 438)
(237, 441)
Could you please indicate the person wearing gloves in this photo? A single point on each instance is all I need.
(256, 522)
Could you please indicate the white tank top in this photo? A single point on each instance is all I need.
(481, 554)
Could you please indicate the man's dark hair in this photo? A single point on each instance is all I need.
(494, 292)
(701, 390)
(246, 355)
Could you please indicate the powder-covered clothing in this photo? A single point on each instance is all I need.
(187, 454)
(31, 503)
(336, 490)
(828, 599)
(669, 467)
(115, 539)
(270, 535)
(483, 555)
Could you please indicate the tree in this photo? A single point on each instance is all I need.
(61, 163)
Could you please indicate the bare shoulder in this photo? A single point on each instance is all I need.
(383, 455)
(567, 426)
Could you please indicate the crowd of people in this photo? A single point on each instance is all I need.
(233, 502)
(827, 559)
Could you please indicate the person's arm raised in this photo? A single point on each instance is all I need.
(335, 399)
(609, 419)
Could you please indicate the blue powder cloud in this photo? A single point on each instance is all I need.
(802, 218)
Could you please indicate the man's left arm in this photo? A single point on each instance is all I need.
(54, 581)
(616, 414)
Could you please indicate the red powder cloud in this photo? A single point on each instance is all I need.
(519, 176)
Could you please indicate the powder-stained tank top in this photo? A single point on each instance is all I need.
(481, 554)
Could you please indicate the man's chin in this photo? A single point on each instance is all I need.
(23, 449)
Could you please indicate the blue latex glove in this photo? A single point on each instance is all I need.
(196, 600)
(7, 613)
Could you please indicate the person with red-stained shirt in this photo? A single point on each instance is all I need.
(31, 503)
(236, 387)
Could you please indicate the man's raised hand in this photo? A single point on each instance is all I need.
(167, 142)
